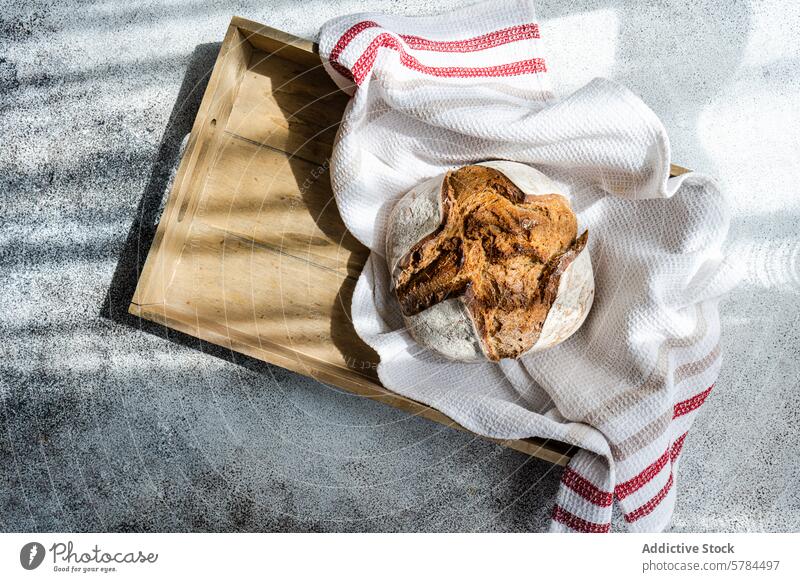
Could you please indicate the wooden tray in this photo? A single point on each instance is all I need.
(250, 252)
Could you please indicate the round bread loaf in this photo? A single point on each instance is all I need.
(486, 262)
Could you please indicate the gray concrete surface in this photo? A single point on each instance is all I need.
(110, 424)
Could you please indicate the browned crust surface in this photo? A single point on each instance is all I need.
(500, 251)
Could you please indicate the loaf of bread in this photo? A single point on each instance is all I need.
(486, 262)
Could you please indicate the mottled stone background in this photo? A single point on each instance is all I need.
(110, 424)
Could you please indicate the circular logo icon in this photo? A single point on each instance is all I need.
(31, 555)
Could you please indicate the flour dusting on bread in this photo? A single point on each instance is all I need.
(486, 262)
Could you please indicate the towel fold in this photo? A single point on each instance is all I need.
(431, 94)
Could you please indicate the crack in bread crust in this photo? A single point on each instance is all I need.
(500, 251)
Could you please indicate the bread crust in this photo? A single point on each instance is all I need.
(497, 256)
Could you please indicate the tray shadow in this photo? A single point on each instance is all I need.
(143, 228)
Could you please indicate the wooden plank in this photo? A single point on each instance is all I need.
(288, 106)
(269, 298)
(203, 145)
(253, 192)
(250, 252)
(676, 170)
(274, 41)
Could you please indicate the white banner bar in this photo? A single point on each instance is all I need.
(388, 557)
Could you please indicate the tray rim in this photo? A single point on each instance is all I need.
(149, 301)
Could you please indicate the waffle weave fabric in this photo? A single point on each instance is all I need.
(431, 94)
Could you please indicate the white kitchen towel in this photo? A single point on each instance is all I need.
(435, 93)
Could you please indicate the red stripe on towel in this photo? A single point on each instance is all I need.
(342, 43)
(574, 522)
(690, 404)
(365, 62)
(348, 36)
(648, 507)
(632, 485)
(478, 43)
(588, 491)
(492, 39)
(673, 451)
(677, 447)
(585, 488)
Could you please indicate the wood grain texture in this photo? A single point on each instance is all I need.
(250, 252)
